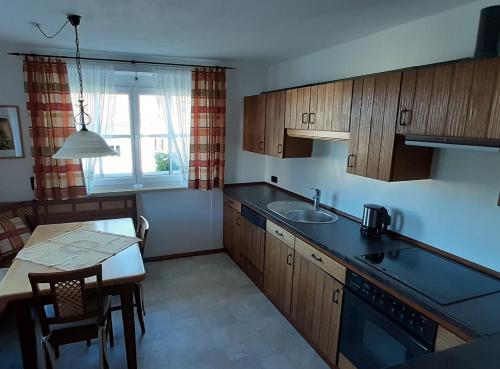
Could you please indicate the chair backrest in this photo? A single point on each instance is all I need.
(68, 296)
(142, 232)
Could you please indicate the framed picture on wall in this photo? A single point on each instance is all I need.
(11, 145)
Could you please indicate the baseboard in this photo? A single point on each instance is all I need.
(183, 255)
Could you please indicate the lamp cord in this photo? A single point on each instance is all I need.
(37, 25)
(78, 62)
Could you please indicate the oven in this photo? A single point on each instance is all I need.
(379, 331)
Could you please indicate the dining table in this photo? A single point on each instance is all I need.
(120, 273)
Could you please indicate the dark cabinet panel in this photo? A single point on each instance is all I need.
(252, 253)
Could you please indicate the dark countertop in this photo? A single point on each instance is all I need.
(483, 353)
(342, 240)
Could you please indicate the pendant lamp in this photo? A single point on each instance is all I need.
(83, 143)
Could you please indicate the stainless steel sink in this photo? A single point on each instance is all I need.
(302, 212)
(309, 216)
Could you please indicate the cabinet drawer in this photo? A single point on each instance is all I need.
(320, 259)
(232, 203)
(281, 234)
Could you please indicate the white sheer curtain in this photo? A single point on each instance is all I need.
(99, 104)
(174, 99)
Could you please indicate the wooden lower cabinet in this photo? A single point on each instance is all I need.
(232, 232)
(278, 273)
(252, 253)
(316, 306)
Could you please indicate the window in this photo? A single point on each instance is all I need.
(144, 127)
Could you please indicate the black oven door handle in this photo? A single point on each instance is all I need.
(398, 332)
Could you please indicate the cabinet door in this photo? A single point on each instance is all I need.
(453, 100)
(254, 123)
(316, 305)
(232, 232)
(278, 273)
(275, 123)
(252, 253)
(297, 108)
(330, 106)
(373, 125)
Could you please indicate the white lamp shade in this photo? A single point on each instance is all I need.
(84, 144)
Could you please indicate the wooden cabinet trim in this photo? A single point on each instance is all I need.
(320, 259)
(280, 233)
(344, 362)
(446, 339)
(236, 205)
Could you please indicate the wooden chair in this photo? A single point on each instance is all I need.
(71, 312)
(142, 233)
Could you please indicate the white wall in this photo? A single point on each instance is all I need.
(455, 210)
(181, 220)
(15, 173)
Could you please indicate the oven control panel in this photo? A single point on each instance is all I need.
(401, 313)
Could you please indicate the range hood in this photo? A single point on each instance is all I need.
(476, 144)
(318, 135)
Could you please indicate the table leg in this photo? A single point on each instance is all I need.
(127, 301)
(27, 335)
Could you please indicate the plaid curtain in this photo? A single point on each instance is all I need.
(51, 114)
(208, 123)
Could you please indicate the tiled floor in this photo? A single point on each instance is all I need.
(202, 313)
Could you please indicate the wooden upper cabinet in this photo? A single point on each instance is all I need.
(277, 143)
(275, 123)
(460, 99)
(330, 106)
(254, 123)
(324, 107)
(374, 149)
(297, 108)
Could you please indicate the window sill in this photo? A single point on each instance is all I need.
(98, 190)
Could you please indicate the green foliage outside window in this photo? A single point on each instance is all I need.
(5, 141)
(163, 163)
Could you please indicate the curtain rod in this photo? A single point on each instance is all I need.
(123, 61)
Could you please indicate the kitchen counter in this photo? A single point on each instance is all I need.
(483, 353)
(342, 240)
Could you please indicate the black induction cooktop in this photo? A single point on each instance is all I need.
(440, 279)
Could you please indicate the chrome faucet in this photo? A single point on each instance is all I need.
(316, 198)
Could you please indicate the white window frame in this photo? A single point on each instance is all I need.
(137, 180)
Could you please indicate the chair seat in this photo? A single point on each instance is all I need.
(92, 305)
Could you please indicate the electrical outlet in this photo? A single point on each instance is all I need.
(274, 179)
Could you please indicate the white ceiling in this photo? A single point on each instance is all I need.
(264, 30)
